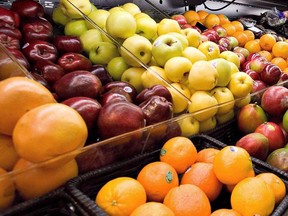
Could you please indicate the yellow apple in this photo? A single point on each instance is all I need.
(203, 76)
(133, 76)
(241, 84)
(120, 24)
(180, 97)
(140, 15)
(193, 54)
(188, 124)
(89, 38)
(203, 105)
(210, 49)
(116, 67)
(154, 75)
(97, 17)
(224, 70)
(176, 67)
(181, 38)
(234, 68)
(240, 102)
(71, 7)
(223, 118)
(224, 98)
(168, 25)
(207, 125)
(131, 8)
(231, 56)
(146, 27)
(59, 17)
(193, 36)
(116, 9)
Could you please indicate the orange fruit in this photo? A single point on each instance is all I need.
(202, 175)
(191, 16)
(230, 29)
(211, 20)
(34, 181)
(266, 54)
(276, 183)
(158, 178)
(202, 15)
(225, 212)
(286, 70)
(121, 196)
(223, 19)
(280, 62)
(18, 95)
(179, 152)
(7, 190)
(249, 34)
(207, 155)
(152, 209)
(252, 196)
(9, 155)
(267, 41)
(241, 38)
(47, 131)
(232, 164)
(280, 49)
(253, 46)
(238, 25)
(188, 200)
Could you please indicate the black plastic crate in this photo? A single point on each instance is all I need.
(84, 188)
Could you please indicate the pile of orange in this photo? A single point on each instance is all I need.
(192, 192)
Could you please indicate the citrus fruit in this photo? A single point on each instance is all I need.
(48, 131)
(202, 175)
(18, 95)
(158, 178)
(152, 209)
(230, 29)
(250, 35)
(252, 196)
(223, 19)
(253, 46)
(188, 200)
(267, 41)
(280, 49)
(207, 155)
(232, 164)
(202, 15)
(7, 190)
(121, 196)
(276, 183)
(241, 37)
(9, 155)
(280, 62)
(266, 54)
(35, 181)
(225, 212)
(238, 25)
(211, 20)
(179, 152)
(191, 16)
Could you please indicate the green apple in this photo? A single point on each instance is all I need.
(154, 75)
(90, 38)
(207, 125)
(224, 70)
(181, 37)
(97, 17)
(230, 56)
(193, 36)
(165, 47)
(180, 97)
(285, 120)
(133, 76)
(210, 49)
(168, 25)
(224, 98)
(189, 125)
(222, 118)
(176, 67)
(120, 24)
(146, 27)
(203, 105)
(241, 84)
(132, 8)
(59, 17)
(103, 52)
(116, 67)
(193, 54)
(203, 76)
(75, 27)
(71, 7)
(136, 50)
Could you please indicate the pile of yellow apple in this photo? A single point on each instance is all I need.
(137, 49)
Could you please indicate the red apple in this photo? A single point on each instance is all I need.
(78, 83)
(250, 117)
(274, 100)
(279, 159)
(130, 89)
(101, 72)
(274, 134)
(41, 80)
(9, 18)
(180, 19)
(74, 61)
(252, 56)
(258, 89)
(67, 43)
(158, 90)
(256, 144)
(211, 34)
(242, 58)
(119, 118)
(271, 74)
(28, 8)
(253, 74)
(283, 79)
(220, 30)
(242, 50)
(9, 42)
(225, 42)
(12, 32)
(20, 57)
(115, 94)
(258, 64)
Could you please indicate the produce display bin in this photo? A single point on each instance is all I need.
(85, 187)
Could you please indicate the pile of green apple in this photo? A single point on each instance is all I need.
(202, 79)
